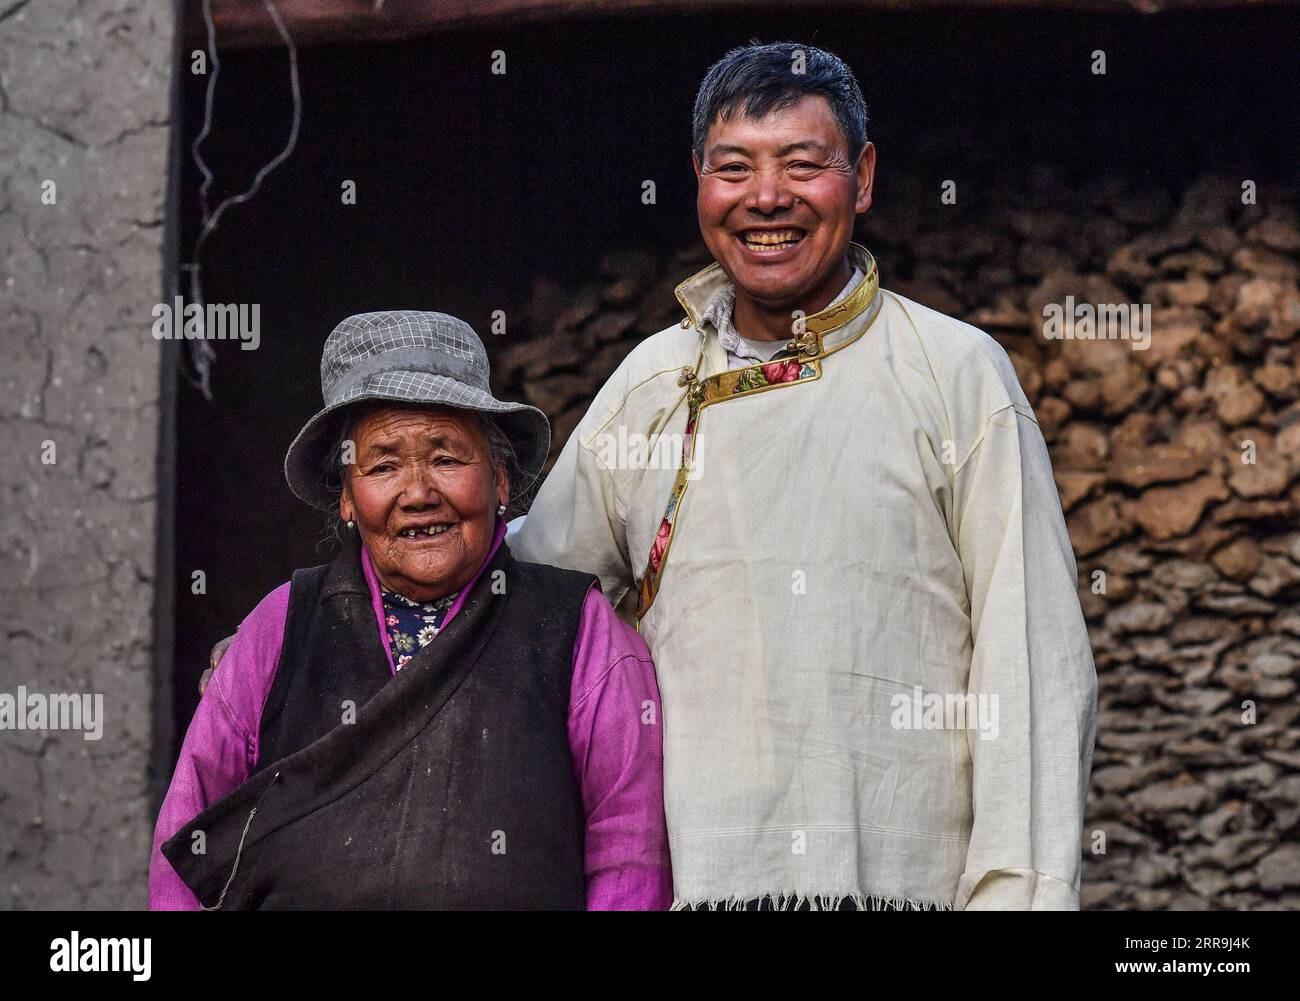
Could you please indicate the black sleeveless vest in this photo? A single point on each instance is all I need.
(448, 785)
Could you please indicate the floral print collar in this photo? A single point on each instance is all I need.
(412, 625)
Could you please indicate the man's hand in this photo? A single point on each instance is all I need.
(214, 658)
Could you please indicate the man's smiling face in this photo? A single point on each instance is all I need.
(776, 203)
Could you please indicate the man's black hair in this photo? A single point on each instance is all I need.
(757, 79)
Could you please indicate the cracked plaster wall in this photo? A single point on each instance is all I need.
(84, 94)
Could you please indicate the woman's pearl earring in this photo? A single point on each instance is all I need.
(501, 509)
(350, 526)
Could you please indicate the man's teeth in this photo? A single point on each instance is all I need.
(411, 533)
(772, 239)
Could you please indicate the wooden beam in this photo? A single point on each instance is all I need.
(242, 23)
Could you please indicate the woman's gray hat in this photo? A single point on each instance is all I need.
(408, 357)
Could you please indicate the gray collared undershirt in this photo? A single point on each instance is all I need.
(743, 351)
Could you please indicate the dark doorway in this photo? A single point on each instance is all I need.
(471, 187)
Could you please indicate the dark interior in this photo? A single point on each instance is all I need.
(470, 186)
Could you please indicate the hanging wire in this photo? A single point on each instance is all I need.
(201, 353)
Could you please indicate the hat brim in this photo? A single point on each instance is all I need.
(527, 428)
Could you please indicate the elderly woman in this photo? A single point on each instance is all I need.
(424, 722)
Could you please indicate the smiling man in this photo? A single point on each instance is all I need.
(877, 686)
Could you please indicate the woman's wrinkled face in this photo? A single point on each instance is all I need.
(423, 492)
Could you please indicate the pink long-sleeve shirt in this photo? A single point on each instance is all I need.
(613, 728)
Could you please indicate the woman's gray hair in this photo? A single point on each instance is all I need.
(330, 475)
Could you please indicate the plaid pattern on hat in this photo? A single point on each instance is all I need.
(412, 357)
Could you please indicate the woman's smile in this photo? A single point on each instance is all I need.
(423, 534)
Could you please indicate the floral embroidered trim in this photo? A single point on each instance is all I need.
(806, 366)
(716, 388)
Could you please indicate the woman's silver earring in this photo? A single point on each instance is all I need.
(350, 526)
(501, 509)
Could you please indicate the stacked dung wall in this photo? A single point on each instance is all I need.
(1177, 466)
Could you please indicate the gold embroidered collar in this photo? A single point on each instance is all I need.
(694, 295)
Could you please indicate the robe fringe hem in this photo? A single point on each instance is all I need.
(816, 902)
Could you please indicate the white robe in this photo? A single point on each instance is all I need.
(846, 548)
